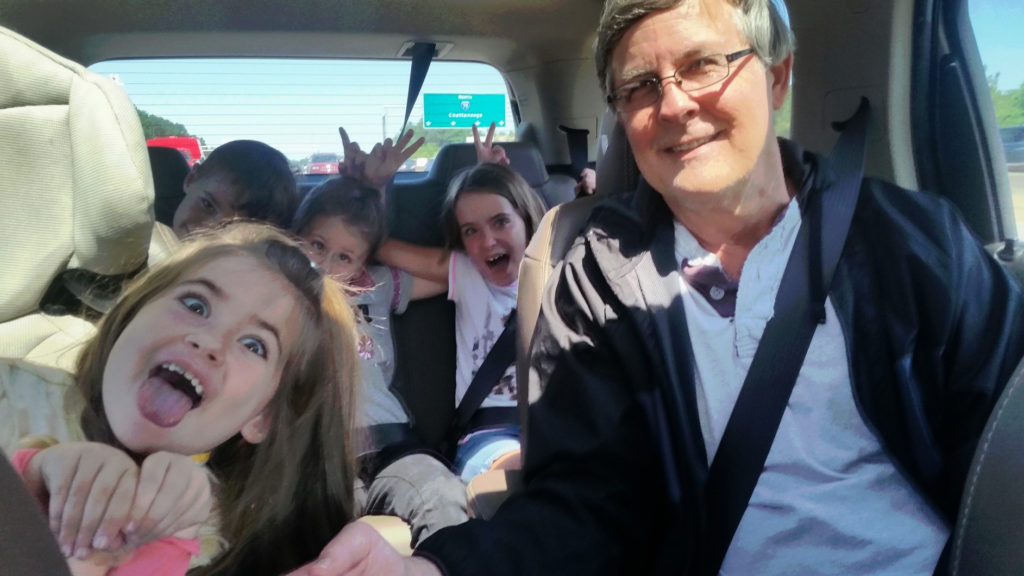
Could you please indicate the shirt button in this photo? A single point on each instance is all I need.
(717, 292)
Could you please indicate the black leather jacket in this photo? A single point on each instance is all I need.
(616, 463)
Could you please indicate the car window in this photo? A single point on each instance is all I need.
(297, 105)
(996, 25)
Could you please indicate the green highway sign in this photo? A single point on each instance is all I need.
(463, 110)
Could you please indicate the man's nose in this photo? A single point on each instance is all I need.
(675, 102)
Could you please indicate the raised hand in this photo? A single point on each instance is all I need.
(486, 152)
(354, 158)
(587, 184)
(379, 166)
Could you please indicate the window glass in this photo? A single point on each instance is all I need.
(785, 112)
(296, 105)
(997, 29)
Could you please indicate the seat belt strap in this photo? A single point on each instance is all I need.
(422, 54)
(498, 359)
(799, 307)
(577, 141)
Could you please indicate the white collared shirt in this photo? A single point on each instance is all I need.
(830, 500)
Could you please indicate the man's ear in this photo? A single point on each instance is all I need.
(255, 431)
(779, 75)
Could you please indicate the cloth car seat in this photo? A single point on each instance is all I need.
(988, 537)
(616, 173)
(76, 202)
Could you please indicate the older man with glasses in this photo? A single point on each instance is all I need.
(649, 330)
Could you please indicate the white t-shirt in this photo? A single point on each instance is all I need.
(830, 500)
(481, 309)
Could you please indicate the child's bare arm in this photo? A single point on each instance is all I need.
(423, 288)
(425, 262)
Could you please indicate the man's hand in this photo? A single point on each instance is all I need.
(486, 152)
(379, 166)
(173, 497)
(359, 550)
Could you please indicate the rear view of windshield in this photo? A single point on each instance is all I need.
(297, 105)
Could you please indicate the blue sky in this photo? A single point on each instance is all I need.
(999, 31)
(257, 98)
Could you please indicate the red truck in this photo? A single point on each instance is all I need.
(187, 145)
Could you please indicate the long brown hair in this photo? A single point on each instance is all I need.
(283, 499)
(491, 179)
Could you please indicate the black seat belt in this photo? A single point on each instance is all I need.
(422, 54)
(799, 308)
(498, 359)
(577, 141)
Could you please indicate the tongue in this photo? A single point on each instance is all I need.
(161, 403)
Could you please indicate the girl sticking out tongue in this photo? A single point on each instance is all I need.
(235, 347)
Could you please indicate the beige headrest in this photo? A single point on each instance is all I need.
(76, 189)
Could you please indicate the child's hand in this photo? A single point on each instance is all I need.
(487, 153)
(173, 497)
(379, 166)
(587, 184)
(354, 158)
(90, 487)
(385, 159)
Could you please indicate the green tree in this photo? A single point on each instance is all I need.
(154, 126)
(1009, 104)
(782, 118)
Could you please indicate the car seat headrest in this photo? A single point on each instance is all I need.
(76, 189)
(169, 171)
(616, 168)
(523, 157)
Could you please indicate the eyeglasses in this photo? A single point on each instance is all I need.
(694, 75)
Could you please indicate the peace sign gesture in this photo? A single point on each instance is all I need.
(487, 153)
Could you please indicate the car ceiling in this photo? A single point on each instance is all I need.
(543, 47)
(506, 34)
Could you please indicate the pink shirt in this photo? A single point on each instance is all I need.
(165, 557)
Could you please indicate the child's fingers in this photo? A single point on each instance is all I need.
(181, 517)
(408, 152)
(476, 136)
(490, 134)
(106, 512)
(499, 156)
(344, 139)
(403, 141)
(183, 498)
(77, 497)
(152, 474)
(57, 477)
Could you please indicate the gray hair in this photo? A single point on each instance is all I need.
(758, 20)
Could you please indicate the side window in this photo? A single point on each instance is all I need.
(997, 30)
(785, 113)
